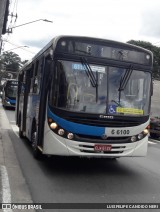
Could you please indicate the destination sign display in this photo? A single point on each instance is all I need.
(111, 50)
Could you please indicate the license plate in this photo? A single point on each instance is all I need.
(102, 147)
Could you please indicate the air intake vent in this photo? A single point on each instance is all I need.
(103, 123)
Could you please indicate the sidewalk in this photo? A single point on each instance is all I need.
(13, 187)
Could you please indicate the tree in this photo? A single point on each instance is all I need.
(11, 61)
(23, 62)
(156, 54)
(10, 64)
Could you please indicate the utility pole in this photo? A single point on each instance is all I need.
(4, 6)
(4, 12)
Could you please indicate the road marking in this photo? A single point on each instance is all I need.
(154, 140)
(151, 142)
(15, 130)
(6, 191)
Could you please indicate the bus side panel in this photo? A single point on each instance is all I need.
(20, 114)
(36, 104)
(32, 111)
(18, 98)
(41, 105)
(17, 104)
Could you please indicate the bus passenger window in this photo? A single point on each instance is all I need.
(22, 87)
(36, 78)
(35, 85)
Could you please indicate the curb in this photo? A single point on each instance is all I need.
(18, 187)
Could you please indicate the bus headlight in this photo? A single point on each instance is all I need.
(57, 129)
(146, 131)
(53, 125)
(140, 136)
(133, 138)
(70, 136)
(61, 132)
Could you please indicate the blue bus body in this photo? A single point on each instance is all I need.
(9, 94)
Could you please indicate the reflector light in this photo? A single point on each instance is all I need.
(50, 120)
(148, 127)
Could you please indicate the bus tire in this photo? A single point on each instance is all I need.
(36, 152)
(20, 131)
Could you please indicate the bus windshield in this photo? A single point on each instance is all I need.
(73, 90)
(11, 91)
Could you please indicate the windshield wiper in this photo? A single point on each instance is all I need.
(90, 74)
(124, 80)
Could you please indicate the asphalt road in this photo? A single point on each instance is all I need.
(73, 180)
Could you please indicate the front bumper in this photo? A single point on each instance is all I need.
(56, 145)
(9, 104)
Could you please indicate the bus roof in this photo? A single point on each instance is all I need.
(52, 44)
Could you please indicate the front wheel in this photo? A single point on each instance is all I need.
(20, 133)
(36, 152)
(20, 130)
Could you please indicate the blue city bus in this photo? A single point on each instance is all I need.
(9, 93)
(86, 97)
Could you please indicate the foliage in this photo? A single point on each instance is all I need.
(156, 53)
(23, 62)
(10, 64)
(11, 61)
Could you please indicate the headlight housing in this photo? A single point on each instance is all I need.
(59, 130)
(140, 136)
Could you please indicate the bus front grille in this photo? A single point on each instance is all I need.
(103, 123)
(98, 139)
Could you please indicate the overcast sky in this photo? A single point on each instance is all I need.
(120, 20)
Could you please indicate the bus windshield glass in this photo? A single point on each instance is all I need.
(73, 90)
(11, 91)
